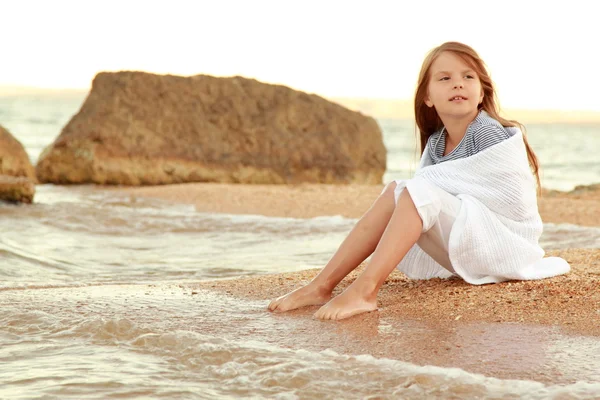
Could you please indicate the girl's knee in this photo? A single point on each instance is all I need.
(389, 188)
(426, 201)
(393, 190)
(404, 198)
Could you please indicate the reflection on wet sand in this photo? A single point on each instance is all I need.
(132, 315)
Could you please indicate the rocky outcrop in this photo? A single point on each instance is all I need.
(595, 187)
(142, 129)
(16, 189)
(17, 175)
(14, 161)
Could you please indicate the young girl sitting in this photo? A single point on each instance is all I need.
(470, 210)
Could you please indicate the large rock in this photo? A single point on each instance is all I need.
(17, 175)
(138, 128)
(14, 160)
(16, 189)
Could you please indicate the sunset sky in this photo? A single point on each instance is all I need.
(540, 55)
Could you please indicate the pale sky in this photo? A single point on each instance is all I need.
(540, 55)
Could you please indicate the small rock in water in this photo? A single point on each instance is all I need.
(16, 189)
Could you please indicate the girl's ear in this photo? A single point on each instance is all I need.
(481, 98)
(428, 102)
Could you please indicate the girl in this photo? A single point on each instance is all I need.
(470, 210)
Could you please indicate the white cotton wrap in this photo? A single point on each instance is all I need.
(495, 235)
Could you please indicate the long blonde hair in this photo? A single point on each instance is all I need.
(427, 118)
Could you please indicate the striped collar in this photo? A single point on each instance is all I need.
(434, 142)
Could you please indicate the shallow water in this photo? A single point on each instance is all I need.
(83, 235)
(173, 341)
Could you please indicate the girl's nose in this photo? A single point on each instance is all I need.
(458, 85)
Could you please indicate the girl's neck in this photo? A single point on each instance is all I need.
(457, 127)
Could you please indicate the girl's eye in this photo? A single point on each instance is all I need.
(470, 77)
(445, 78)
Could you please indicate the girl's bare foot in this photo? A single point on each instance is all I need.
(309, 295)
(351, 301)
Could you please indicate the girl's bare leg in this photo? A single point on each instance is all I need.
(358, 245)
(401, 233)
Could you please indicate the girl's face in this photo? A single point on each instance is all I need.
(454, 87)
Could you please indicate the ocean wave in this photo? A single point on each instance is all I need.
(226, 368)
(161, 338)
(564, 236)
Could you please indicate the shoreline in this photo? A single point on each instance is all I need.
(579, 207)
(215, 309)
(545, 331)
(571, 301)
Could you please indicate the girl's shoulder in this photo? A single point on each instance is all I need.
(434, 137)
(487, 131)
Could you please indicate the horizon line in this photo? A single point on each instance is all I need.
(379, 107)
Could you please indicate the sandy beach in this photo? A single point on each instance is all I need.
(580, 207)
(571, 301)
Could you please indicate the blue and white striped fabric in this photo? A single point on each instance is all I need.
(482, 133)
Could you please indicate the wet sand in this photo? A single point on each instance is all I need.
(571, 301)
(580, 207)
(216, 332)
